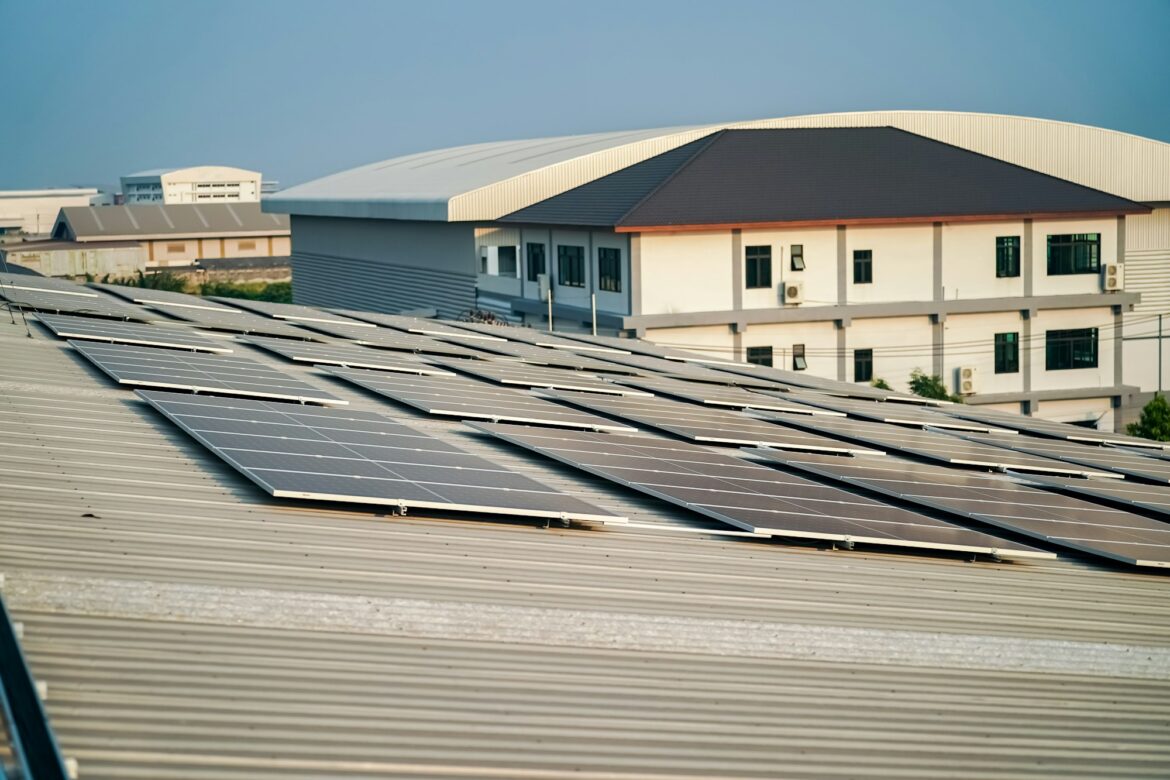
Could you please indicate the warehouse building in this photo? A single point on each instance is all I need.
(855, 246)
(33, 212)
(200, 184)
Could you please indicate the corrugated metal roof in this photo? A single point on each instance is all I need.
(189, 626)
(142, 222)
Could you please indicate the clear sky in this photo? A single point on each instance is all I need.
(299, 89)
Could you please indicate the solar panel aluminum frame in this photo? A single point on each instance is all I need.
(288, 348)
(1089, 489)
(146, 296)
(66, 331)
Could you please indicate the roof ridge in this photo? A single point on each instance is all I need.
(707, 141)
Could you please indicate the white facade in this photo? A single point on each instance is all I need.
(33, 212)
(201, 184)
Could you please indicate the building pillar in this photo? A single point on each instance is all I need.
(937, 264)
(1121, 239)
(635, 274)
(737, 269)
(842, 268)
(841, 341)
(937, 338)
(1026, 260)
(1026, 349)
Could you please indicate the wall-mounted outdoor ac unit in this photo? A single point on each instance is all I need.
(794, 292)
(968, 380)
(1113, 277)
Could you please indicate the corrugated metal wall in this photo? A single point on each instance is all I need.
(1147, 259)
(323, 280)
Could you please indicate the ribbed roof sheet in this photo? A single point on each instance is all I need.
(142, 222)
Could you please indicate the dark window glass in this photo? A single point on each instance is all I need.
(571, 266)
(761, 356)
(483, 260)
(863, 365)
(862, 267)
(799, 363)
(506, 261)
(758, 267)
(536, 263)
(1077, 253)
(1007, 353)
(796, 257)
(1066, 349)
(609, 269)
(1007, 256)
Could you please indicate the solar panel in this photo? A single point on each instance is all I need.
(234, 321)
(894, 413)
(650, 349)
(289, 311)
(647, 364)
(931, 445)
(388, 338)
(540, 356)
(704, 424)
(359, 457)
(214, 374)
(55, 302)
(149, 297)
(535, 337)
(43, 284)
(1000, 501)
(506, 372)
(89, 329)
(747, 495)
(422, 325)
(722, 395)
(1050, 428)
(1121, 493)
(1100, 457)
(458, 396)
(347, 355)
(802, 379)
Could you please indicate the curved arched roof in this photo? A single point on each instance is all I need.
(484, 182)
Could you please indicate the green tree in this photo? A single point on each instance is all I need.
(929, 386)
(1154, 422)
(881, 384)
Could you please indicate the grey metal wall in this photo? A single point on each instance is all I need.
(383, 265)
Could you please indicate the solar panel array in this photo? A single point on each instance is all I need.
(506, 372)
(651, 349)
(233, 321)
(894, 413)
(1116, 460)
(346, 355)
(120, 332)
(541, 356)
(723, 395)
(359, 457)
(932, 445)
(802, 379)
(658, 366)
(747, 495)
(421, 325)
(56, 302)
(149, 297)
(536, 337)
(458, 396)
(288, 311)
(999, 501)
(1049, 428)
(705, 424)
(43, 284)
(387, 338)
(1153, 500)
(197, 372)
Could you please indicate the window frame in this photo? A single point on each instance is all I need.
(863, 357)
(570, 265)
(530, 256)
(1071, 349)
(515, 274)
(1007, 257)
(757, 267)
(758, 355)
(1071, 264)
(796, 257)
(799, 360)
(863, 259)
(1007, 352)
(611, 281)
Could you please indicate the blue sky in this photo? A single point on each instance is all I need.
(300, 89)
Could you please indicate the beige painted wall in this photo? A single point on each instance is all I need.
(686, 272)
(1102, 376)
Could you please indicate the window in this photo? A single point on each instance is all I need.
(571, 266)
(1079, 253)
(1007, 353)
(863, 365)
(1066, 349)
(506, 261)
(761, 356)
(758, 267)
(175, 249)
(609, 269)
(536, 263)
(862, 268)
(798, 360)
(483, 260)
(796, 257)
(247, 245)
(1007, 256)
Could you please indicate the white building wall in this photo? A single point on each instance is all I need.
(903, 262)
(1098, 410)
(819, 340)
(969, 341)
(899, 344)
(1072, 283)
(686, 272)
(35, 211)
(710, 340)
(1068, 319)
(969, 260)
(820, 256)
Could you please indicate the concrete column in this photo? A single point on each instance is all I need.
(937, 265)
(737, 262)
(1121, 239)
(937, 338)
(841, 341)
(1026, 349)
(1118, 320)
(842, 268)
(1026, 259)
(635, 253)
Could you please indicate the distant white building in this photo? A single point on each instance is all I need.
(33, 212)
(200, 184)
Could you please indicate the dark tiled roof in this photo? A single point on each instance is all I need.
(818, 175)
(141, 222)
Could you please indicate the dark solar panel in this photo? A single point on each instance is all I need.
(288, 311)
(1049, 428)
(536, 337)
(747, 495)
(348, 355)
(214, 374)
(388, 338)
(43, 284)
(427, 327)
(54, 302)
(1100, 457)
(659, 366)
(457, 396)
(802, 379)
(119, 332)
(234, 321)
(705, 424)
(932, 445)
(540, 356)
(651, 349)
(507, 372)
(1121, 493)
(359, 457)
(149, 297)
(1001, 501)
(895, 413)
(723, 395)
